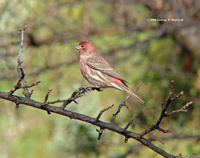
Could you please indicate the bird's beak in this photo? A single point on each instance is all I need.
(77, 47)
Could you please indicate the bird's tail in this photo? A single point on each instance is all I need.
(127, 90)
(135, 96)
(124, 87)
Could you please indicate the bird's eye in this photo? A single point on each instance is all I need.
(82, 46)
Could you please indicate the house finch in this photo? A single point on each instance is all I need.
(98, 72)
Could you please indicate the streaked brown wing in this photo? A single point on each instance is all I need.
(103, 66)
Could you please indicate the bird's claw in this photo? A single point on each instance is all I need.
(98, 89)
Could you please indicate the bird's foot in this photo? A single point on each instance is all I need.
(86, 88)
(97, 89)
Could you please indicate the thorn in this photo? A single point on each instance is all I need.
(128, 108)
(100, 133)
(75, 101)
(126, 140)
(130, 122)
(25, 27)
(162, 103)
(102, 111)
(180, 154)
(17, 106)
(181, 92)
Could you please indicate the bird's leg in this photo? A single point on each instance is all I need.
(86, 88)
(96, 88)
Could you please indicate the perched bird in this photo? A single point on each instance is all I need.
(98, 72)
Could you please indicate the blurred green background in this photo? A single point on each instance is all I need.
(139, 48)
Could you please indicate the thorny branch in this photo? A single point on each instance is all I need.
(183, 109)
(131, 121)
(21, 73)
(100, 133)
(164, 112)
(18, 84)
(123, 104)
(19, 62)
(47, 96)
(95, 121)
(75, 95)
(79, 93)
(102, 111)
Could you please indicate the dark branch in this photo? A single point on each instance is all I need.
(102, 111)
(119, 109)
(94, 121)
(123, 104)
(47, 96)
(18, 84)
(155, 139)
(73, 115)
(77, 94)
(131, 121)
(100, 133)
(183, 109)
(164, 113)
(19, 62)
(31, 85)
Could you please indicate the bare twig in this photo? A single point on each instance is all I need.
(18, 84)
(164, 113)
(45, 102)
(30, 93)
(172, 90)
(78, 93)
(183, 109)
(47, 96)
(19, 62)
(100, 133)
(17, 106)
(137, 87)
(126, 140)
(21, 45)
(177, 96)
(102, 111)
(131, 121)
(155, 139)
(128, 108)
(123, 104)
(31, 85)
(119, 109)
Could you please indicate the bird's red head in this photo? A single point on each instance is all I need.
(85, 47)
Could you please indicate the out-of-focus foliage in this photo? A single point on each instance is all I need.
(141, 50)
